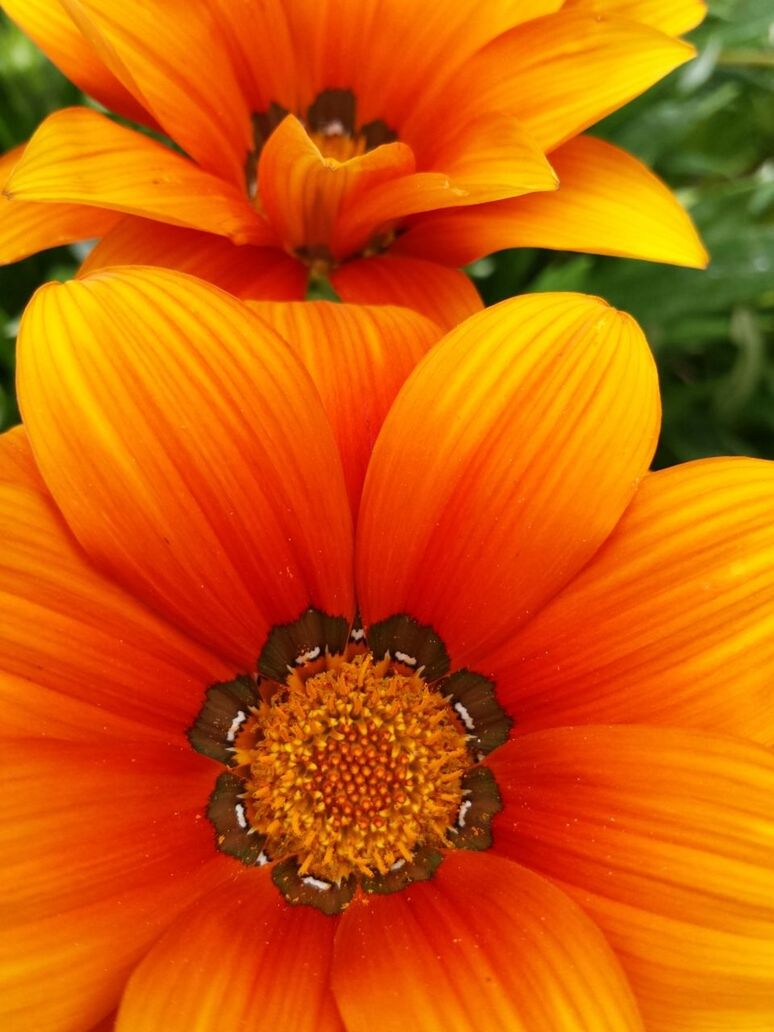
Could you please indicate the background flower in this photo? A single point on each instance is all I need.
(142, 567)
(356, 141)
(705, 129)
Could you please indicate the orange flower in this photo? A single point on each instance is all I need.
(376, 856)
(381, 143)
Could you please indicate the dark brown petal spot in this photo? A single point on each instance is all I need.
(332, 113)
(329, 897)
(421, 867)
(227, 809)
(411, 644)
(475, 703)
(481, 801)
(301, 642)
(226, 708)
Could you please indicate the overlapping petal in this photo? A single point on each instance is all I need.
(607, 203)
(305, 194)
(173, 59)
(240, 959)
(221, 508)
(446, 296)
(484, 498)
(28, 227)
(332, 36)
(80, 656)
(78, 156)
(54, 31)
(560, 74)
(671, 622)
(242, 270)
(124, 853)
(665, 838)
(484, 944)
(482, 160)
(471, 106)
(359, 357)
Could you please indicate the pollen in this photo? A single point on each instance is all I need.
(355, 769)
(336, 145)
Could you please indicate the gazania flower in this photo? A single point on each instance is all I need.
(492, 761)
(380, 144)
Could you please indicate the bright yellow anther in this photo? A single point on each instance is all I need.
(355, 769)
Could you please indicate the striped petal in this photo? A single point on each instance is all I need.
(485, 159)
(79, 656)
(672, 622)
(304, 194)
(48, 24)
(28, 227)
(245, 271)
(359, 358)
(102, 846)
(560, 74)
(188, 451)
(665, 838)
(436, 956)
(607, 203)
(242, 958)
(175, 62)
(480, 506)
(411, 52)
(78, 156)
(446, 296)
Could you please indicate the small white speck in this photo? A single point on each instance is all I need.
(236, 723)
(465, 716)
(461, 816)
(316, 883)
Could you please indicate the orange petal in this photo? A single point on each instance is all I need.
(486, 944)
(174, 60)
(242, 958)
(48, 24)
(245, 271)
(607, 203)
(412, 51)
(672, 622)
(102, 846)
(444, 295)
(266, 58)
(187, 449)
(303, 193)
(505, 462)
(107, 1024)
(562, 73)
(489, 156)
(28, 227)
(665, 838)
(358, 357)
(672, 16)
(485, 159)
(78, 654)
(78, 156)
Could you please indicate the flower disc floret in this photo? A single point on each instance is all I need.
(355, 769)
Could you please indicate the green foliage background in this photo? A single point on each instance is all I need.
(708, 130)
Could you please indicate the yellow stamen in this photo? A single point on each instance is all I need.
(354, 769)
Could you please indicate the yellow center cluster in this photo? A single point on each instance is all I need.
(354, 769)
(339, 147)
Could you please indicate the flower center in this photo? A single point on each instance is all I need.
(333, 141)
(352, 758)
(355, 769)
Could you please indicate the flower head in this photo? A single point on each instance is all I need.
(381, 144)
(494, 759)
